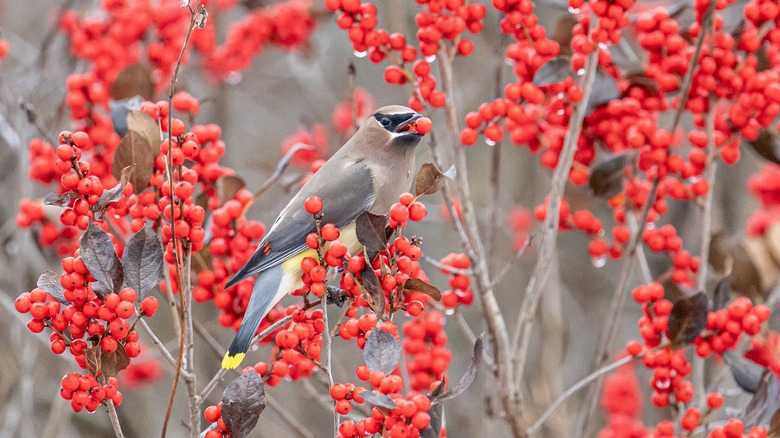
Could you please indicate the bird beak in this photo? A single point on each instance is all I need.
(409, 125)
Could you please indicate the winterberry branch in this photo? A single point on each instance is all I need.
(114, 419)
(619, 295)
(327, 366)
(521, 339)
(575, 388)
(491, 311)
(283, 163)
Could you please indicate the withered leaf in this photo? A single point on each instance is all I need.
(371, 285)
(133, 80)
(606, 178)
(99, 256)
(114, 362)
(228, 186)
(370, 230)
(761, 258)
(114, 194)
(139, 146)
(604, 90)
(722, 294)
(417, 285)
(142, 261)
(430, 179)
(59, 199)
(553, 71)
(242, 403)
(772, 241)
(377, 399)
(563, 33)
(774, 425)
(767, 146)
(719, 255)
(745, 277)
(764, 402)
(382, 351)
(688, 319)
(93, 356)
(746, 373)
(468, 376)
(50, 282)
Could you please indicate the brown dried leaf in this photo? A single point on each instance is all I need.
(767, 269)
(688, 319)
(114, 362)
(93, 356)
(774, 425)
(114, 194)
(606, 178)
(417, 285)
(430, 179)
(563, 33)
(719, 256)
(772, 239)
(767, 146)
(133, 80)
(228, 186)
(60, 199)
(139, 147)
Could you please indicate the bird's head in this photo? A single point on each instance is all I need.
(398, 124)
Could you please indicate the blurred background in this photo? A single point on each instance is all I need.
(257, 109)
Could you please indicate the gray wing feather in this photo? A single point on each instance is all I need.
(346, 190)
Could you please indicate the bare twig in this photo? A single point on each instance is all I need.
(472, 242)
(508, 266)
(533, 292)
(351, 73)
(619, 295)
(221, 373)
(114, 419)
(283, 163)
(326, 346)
(448, 269)
(573, 390)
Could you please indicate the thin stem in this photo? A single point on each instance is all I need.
(326, 345)
(475, 248)
(619, 295)
(447, 269)
(574, 389)
(533, 292)
(697, 373)
(283, 163)
(114, 419)
(508, 266)
(222, 371)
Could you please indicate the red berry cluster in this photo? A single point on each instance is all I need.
(426, 347)
(461, 292)
(725, 327)
(86, 392)
(441, 21)
(621, 400)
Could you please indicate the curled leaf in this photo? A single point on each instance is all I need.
(436, 412)
(92, 357)
(242, 403)
(468, 376)
(417, 285)
(371, 285)
(764, 402)
(49, 281)
(688, 319)
(59, 199)
(382, 351)
(430, 179)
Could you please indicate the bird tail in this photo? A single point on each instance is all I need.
(269, 288)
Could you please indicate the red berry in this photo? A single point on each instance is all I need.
(313, 205)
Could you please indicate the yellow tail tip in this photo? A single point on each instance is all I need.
(231, 362)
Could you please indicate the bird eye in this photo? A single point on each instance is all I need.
(385, 121)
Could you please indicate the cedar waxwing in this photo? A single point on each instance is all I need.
(368, 173)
